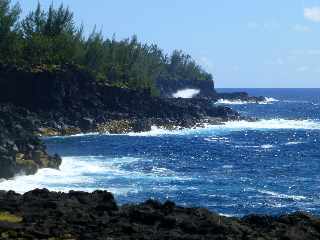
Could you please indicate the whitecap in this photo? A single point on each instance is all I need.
(271, 99)
(268, 100)
(217, 139)
(162, 171)
(282, 196)
(74, 135)
(293, 143)
(274, 124)
(216, 130)
(155, 131)
(232, 102)
(227, 166)
(266, 146)
(262, 125)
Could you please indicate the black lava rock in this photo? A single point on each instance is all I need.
(41, 214)
(21, 151)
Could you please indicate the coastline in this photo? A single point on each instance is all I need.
(102, 109)
(41, 214)
(132, 121)
(127, 126)
(164, 221)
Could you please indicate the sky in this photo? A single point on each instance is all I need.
(247, 43)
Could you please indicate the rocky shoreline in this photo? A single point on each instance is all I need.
(41, 214)
(21, 151)
(67, 100)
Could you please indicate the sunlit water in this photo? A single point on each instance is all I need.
(269, 166)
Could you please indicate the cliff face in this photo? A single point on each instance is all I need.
(69, 95)
(169, 87)
(68, 100)
(43, 89)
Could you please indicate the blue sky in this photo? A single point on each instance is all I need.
(265, 43)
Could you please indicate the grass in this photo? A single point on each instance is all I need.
(7, 217)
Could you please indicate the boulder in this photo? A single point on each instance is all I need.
(141, 125)
(21, 151)
(87, 124)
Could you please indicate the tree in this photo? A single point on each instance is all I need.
(9, 39)
(51, 37)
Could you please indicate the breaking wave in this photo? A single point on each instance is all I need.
(235, 126)
(282, 196)
(186, 93)
(89, 173)
(268, 100)
(293, 143)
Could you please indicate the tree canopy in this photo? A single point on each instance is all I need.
(51, 37)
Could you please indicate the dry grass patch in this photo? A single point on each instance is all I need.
(7, 217)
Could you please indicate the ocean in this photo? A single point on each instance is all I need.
(270, 166)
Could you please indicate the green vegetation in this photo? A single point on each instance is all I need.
(51, 38)
(7, 217)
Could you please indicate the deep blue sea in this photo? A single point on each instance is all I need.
(271, 166)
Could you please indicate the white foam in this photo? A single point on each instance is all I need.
(217, 139)
(271, 99)
(162, 171)
(186, 93)
(283, 196)
(227, 166)
(88, 173)
(227, 215)
(155, 131)
(75, 135)
(262, 125)
(268, 100)
(233, 102)
(295, 101)
(293, 143)
(75, 173)
(266, 146)
(274, 124)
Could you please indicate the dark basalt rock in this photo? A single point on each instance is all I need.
(169, 87)
(65, 100)
(68, 99)
(86, 123)
(206, 90)
(239, 96)
(41, 214)
(141, 125)
(20, 150)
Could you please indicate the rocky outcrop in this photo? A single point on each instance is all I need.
(240, 96)
(68, 100)
(20, 150)
(169, 87)
(65, 100)
(41, 214)
(207, 90)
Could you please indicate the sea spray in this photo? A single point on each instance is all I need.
(208, 129)
(268, 100)
(186, 93)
